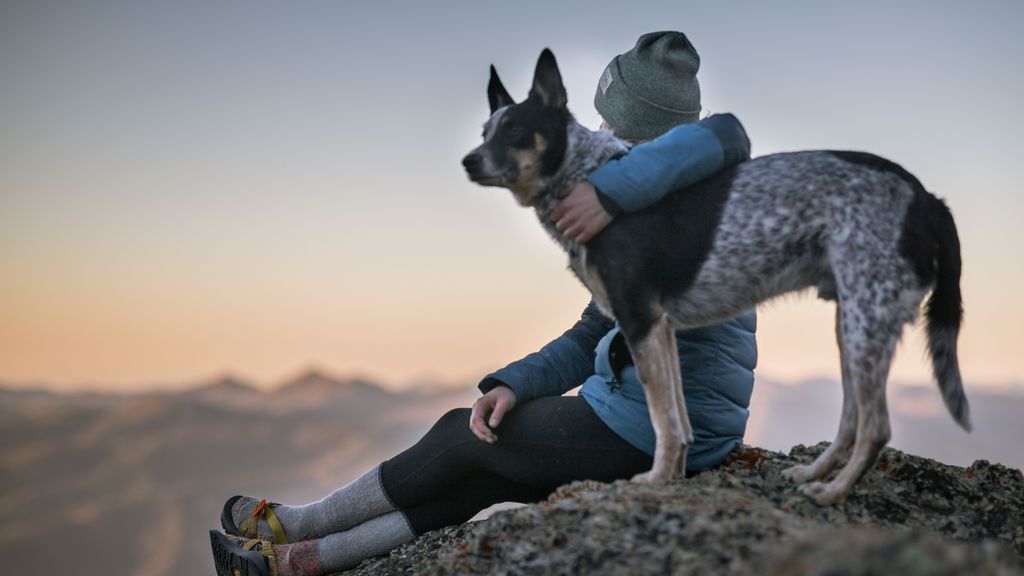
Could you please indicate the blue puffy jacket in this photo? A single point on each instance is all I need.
(716, 362)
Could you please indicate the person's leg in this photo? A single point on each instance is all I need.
(348, 506)
(332, 553)
(377, 536)
(450, 474)
(365, 498)
(541, 445)
(464, 501)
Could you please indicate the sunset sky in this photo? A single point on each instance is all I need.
(193, 188)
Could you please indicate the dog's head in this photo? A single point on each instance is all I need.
(523, 143)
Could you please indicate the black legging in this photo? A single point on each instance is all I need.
(450, 474)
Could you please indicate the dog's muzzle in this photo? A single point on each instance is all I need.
(473, 163)
(478, 171)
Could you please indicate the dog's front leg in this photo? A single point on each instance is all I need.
(677, 384)
(657, 361)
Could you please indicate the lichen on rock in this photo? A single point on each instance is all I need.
(908, 515)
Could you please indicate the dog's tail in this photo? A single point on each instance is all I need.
(944, 312)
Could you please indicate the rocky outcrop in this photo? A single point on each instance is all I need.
(908, 515)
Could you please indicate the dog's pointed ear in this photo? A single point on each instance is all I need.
(547, 81)
(497, 96)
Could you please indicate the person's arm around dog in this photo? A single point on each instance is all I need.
(682, 156)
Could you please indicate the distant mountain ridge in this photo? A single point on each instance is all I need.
(152, 469)
(231, 389)
(155, 467)
(783, 415)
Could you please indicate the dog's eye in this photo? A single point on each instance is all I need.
(515, 132)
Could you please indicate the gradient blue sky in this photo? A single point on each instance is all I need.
(196, 187)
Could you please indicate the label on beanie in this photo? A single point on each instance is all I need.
(606, 80)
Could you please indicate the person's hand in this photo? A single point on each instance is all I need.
(494, 405)
(580, 215)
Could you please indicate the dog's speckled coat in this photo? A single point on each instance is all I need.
(858, 228)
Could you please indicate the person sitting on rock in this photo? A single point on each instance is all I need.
(522, 439)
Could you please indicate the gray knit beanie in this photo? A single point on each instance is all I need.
(651, 88)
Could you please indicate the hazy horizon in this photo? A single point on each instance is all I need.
(190, 189)
(1011, 388)
(155, 469)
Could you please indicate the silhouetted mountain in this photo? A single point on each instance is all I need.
(314, 389)
(223, 386)
(130, 484)
(226, 391)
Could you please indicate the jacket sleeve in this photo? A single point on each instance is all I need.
(682, 156)
(558, 367)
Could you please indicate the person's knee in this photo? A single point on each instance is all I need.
(453, 423)
(452, 440)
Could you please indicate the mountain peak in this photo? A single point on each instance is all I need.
(312, 388)
(314, 378)
(228, 383)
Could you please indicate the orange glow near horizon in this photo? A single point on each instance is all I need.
(131, 340)
(194, 189)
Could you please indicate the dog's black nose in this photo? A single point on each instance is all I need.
(472, 162)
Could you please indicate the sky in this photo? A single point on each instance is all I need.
(198, 188)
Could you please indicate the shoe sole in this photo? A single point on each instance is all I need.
(232, 560)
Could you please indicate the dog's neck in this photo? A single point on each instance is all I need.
(585, 151)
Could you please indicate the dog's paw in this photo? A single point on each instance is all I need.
(799, 474)
(643, 478)
(650, 477)
(680, 470)
(822, 494)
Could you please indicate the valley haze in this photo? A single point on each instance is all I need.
(154, 468)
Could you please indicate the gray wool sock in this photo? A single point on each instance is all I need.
(343, 550)
(299, 559)
(356, 502)
(352, 504)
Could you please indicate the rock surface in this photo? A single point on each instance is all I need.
(908, 515)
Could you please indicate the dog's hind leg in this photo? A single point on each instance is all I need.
(657, 364)
(827, 460)
(870, 330)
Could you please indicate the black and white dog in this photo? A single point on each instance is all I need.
(860, 229)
